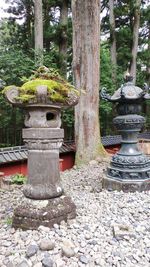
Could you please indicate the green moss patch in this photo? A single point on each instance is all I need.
(57, 87)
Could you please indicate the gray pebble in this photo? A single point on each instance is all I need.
(32, 250)
(83, 259)
(23, 263)
(10, 264)
(47, 262)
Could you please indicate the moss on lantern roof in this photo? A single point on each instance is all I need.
(57, 87)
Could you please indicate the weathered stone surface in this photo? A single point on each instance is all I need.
(43, 163)
(29, 216)
(125, 185)
(38, 118)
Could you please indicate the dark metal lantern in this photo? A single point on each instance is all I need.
(129, 169)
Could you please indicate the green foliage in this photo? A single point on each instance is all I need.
(106, 111)
(68, 117)
(19, 179)
(8, 221)
(15, 64)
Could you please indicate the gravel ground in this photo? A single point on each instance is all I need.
(111, 228)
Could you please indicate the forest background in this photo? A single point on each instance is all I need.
(125, 43)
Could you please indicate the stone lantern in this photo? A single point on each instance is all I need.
(129, 169)
(42, 98)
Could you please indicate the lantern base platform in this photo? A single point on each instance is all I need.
(112, 184)
(33, 213)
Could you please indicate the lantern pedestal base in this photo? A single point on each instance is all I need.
(125, 185)
(33, 213)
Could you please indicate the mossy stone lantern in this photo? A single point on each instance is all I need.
(129, 169)
(42, 98)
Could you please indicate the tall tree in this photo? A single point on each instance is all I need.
(86, 63)
(38, 31)
(136, 25)
(112, 39)
(63, 25)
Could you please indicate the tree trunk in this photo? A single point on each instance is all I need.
(86, 62)
(64, 40)
(148, 60)
(46, 25)
(136, 25)
(112, 39)
(38, 28)
(29, 25)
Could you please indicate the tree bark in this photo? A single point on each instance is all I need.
(86, 63)
(136, 25)
(29, 24)
(112, 39)
(38, 31)
(148, 60)
(64, 40)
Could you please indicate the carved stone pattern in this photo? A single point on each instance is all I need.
(123, 166)
(129, 124)
(129, 120)
(41, 191)
(130, 160)
(46, 144)
(11, 94)
(123, 175)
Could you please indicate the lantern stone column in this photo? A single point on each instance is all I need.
(44, 202)
(43, 162)
(129, 168)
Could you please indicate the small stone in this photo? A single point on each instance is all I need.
(121, 231)
(44, 229)
(83, 259)
(56, 226)
(12, 230)
(23, 263)
(47, 262)
(93, 162)
(39, 264)
(92, 242)
(60, 263)
(10, 264)
(68, 251)
(83, 244)
(68, 243)
(87, 236)
(100, 262)
(32, 250)
(46, 244)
